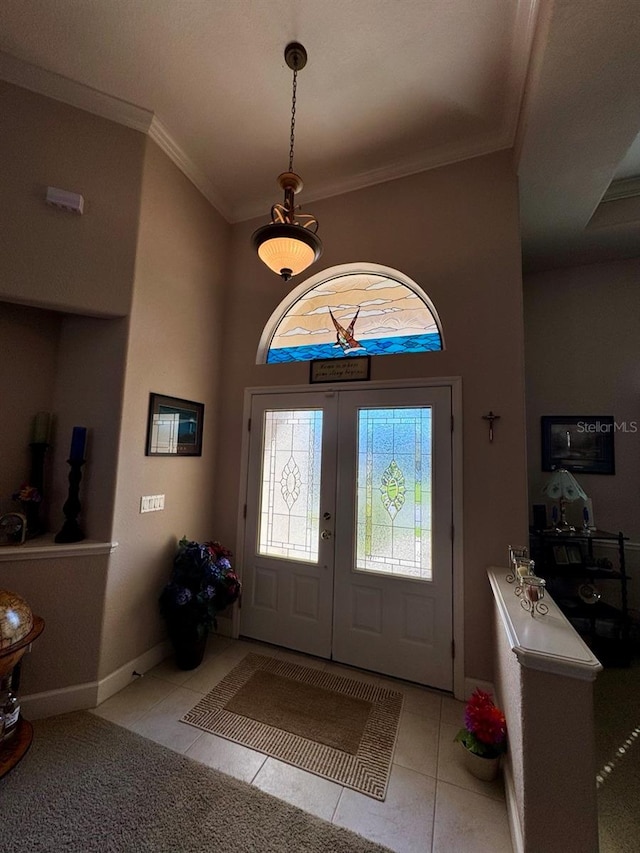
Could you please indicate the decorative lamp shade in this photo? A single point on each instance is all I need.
(287, 249)
(16, 619)
(562, 484)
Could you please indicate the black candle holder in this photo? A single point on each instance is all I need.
(71, 530)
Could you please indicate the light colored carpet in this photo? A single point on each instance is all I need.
(89, 786)
(339, 728)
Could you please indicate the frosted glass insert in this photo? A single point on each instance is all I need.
(290, 495)
(393, 512)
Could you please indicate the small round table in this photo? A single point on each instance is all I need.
(14, 749)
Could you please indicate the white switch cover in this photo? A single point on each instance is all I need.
(151, 503)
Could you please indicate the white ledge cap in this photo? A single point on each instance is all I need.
(547, 642)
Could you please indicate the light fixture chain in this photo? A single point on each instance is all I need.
(293, 118)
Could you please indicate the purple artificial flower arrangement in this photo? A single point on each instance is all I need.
(202, 584)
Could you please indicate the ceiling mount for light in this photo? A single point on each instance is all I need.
(289, 243)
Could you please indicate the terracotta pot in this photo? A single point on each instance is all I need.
(480, 767)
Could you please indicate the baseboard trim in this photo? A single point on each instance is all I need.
(513, 815)
(90, 694)
(124, 675)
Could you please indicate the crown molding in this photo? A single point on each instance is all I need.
(60, 88)
(624, 188)
(165, 141)
(444, 156)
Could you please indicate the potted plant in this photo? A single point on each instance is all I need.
(484, 736)
(202, 584)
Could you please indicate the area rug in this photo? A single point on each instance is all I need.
(89, 786)
(339, 728)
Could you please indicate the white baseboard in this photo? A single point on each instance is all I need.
(80, 697)
(123, 676)
(513, 815)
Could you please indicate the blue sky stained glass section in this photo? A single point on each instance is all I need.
(352, 315)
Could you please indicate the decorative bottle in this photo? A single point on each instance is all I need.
(9, 707)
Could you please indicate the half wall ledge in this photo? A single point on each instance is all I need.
(547, 643)
(44, 548)
(544, 675)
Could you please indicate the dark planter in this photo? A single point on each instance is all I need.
(189, 649)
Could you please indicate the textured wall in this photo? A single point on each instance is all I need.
(455, 232)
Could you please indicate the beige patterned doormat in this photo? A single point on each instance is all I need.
(335, 727)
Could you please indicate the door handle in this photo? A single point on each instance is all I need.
(326, 534)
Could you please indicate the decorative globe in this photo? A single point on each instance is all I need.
(16, 619)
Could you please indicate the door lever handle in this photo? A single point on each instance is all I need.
(326, 534)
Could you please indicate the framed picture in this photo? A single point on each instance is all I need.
(574, 554)
(581, 443)
(560, 556)
(174, 427)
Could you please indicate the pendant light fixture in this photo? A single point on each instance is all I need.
(289, 243)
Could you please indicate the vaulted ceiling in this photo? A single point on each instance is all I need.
(392, 87)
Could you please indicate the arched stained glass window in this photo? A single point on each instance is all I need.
(348, 311)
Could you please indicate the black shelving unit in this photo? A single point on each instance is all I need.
(575, 575)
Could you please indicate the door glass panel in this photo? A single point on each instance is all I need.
(290, 492)
(393, 512)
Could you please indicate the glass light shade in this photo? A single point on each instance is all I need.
(286, 249)
(562, 484)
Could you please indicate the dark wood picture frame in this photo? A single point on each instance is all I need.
(174, 426)
(580, 443)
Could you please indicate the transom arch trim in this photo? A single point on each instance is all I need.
(350, 310)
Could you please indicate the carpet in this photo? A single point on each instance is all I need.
(339, 728)
(89, 786)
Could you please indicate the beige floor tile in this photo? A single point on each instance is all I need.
(305, 790)
(161, 722)
(452, 711)
(226, 756)
(133, 701)
(214, 668)
(469, 823)
(451, 767)
(417, 700)
(417, 744)
(403, 822)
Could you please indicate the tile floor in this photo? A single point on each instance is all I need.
(433, 805)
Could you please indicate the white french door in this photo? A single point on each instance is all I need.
(347, 550)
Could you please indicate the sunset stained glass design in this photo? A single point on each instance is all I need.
(355, 314)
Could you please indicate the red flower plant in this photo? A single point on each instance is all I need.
(485, 731)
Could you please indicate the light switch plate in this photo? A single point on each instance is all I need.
(151, 503)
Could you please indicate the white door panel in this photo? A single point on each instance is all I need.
(288, 566)
(348, 551)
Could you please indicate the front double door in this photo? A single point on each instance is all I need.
(347, 546)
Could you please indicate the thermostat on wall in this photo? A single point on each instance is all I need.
(72, 202)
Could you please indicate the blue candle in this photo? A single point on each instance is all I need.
(78, 441)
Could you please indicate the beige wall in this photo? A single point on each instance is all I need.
(583, 358)
(175, 349)
(66, 362)
(551, 754)
(455, 231)
(52, 258)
